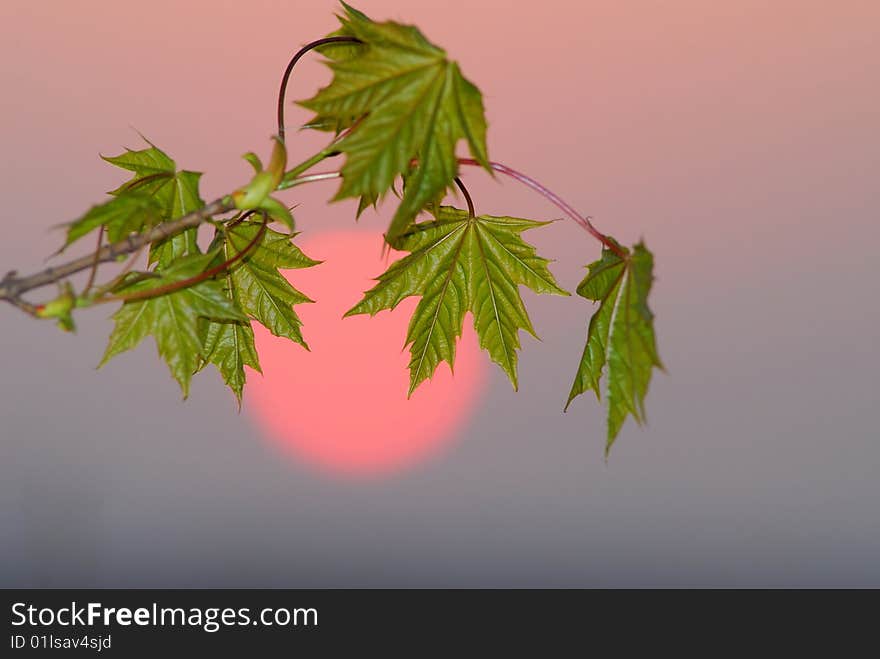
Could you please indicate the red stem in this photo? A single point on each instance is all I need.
(282, 91)
(467, 196)
(190, 281)
(553, 198)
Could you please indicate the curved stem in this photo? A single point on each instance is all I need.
(553, 198)
(282, 91)
(467, 196)
(113, 283)
(238, 220)
(94, 271)
(291, 176)
(311, 178)
(196, 279)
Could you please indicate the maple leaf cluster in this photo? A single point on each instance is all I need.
(399, 108)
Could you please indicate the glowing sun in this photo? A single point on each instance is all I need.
(342, 406)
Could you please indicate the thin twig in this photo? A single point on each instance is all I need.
(238, 220)
(195, 279)
(24, 305)
(317, 176)
(119, 277)
(94, 270)
(11, 287)
(553, 198)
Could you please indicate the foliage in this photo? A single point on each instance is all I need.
(175, 193)
(620, 336)
(397, 107)
(256, 287)
(460, 263)
(412, 105)
(172, 318)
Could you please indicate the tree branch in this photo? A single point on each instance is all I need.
(12, 286)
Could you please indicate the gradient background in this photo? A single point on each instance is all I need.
(739, 138)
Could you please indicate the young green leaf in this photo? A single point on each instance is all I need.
(415, 105)
(176, 192)
(621, 335)
(460, 263)
(146, 162)
(254, 161)
(173, 317)
(183, 193)
(230, 347)
(255, 195)
(256, 286)
(129, 213)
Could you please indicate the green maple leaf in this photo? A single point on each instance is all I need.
(145, 162)
(229, 346)
(414, 105)
(157, 193)
(122, 215)
(176, 192)
(458, 263)
(262, 292)
(621, 335)
(173, 317)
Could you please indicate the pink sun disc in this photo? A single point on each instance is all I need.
(342, 406)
